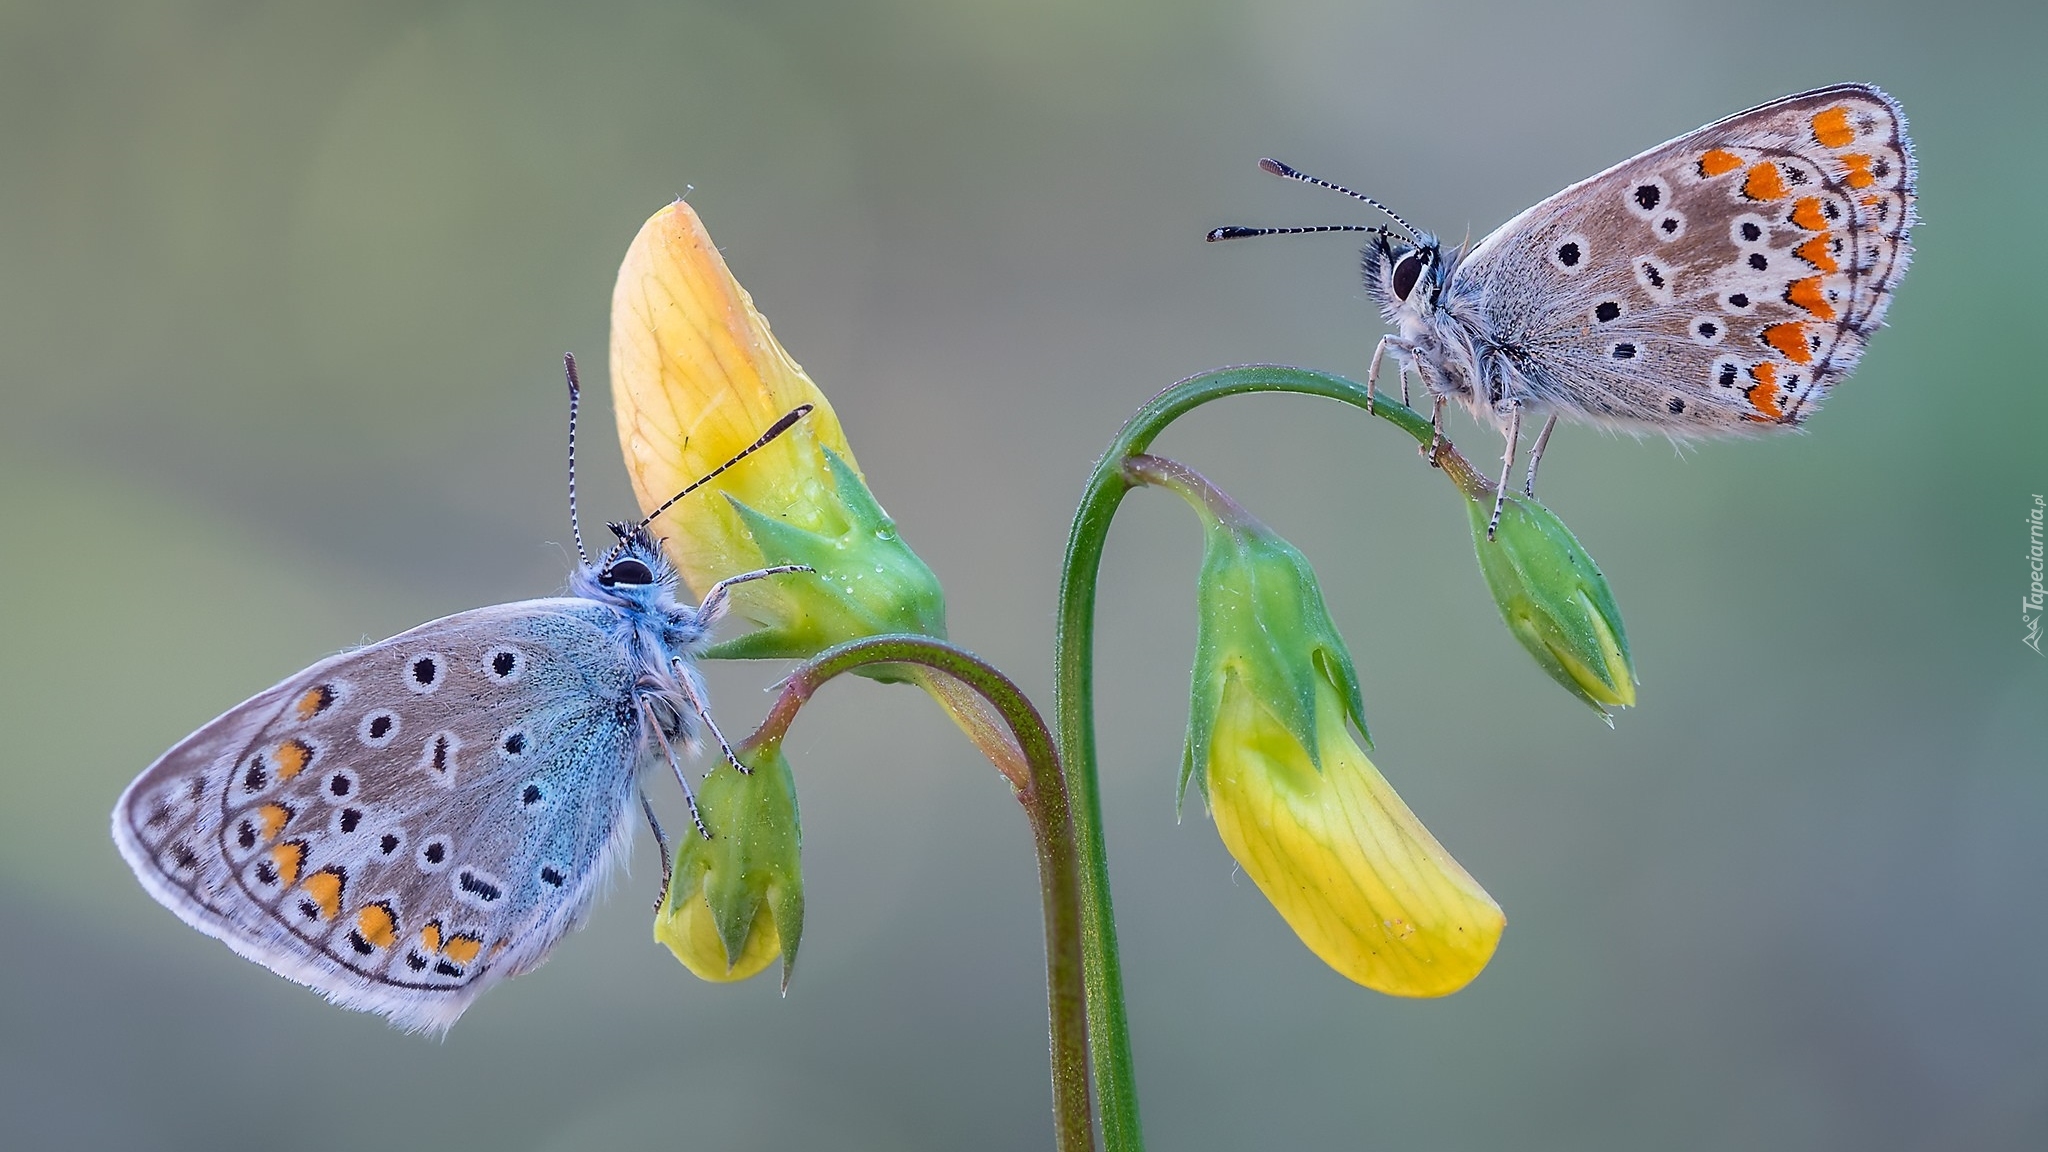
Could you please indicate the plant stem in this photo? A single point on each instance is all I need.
(1043, 793)
(1074, 700)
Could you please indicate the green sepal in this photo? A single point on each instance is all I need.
(1261, 619)
(867, 581)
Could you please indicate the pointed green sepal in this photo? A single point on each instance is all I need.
(866, 582)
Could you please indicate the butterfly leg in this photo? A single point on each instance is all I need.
(1507, 464)
(1536, 455)
(1372, 373)
(683, 778)
(1436, 431)
(668, 863)
(714, 601)
(696, 699)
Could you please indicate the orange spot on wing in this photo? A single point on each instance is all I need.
(1806, 294)
(1719, 163)
(274, 817)
(288, 858)
(291, 757)
(1806, 213)
(1831, 127)
(1815, 252)
(377, 925)
(1763, 396)
(1763, 182)
(1858, 175)
(463, 949)
(315, 701)
(430, 936)
(325, 888)
(1872, 200)
(1789, 339)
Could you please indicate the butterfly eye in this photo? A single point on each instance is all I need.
(1405, 275)
(626, 571)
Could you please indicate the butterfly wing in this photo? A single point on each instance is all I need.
(401, 826)
(1718, 283)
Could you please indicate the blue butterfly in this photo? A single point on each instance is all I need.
(402, 826)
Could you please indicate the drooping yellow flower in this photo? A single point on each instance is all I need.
(1342, 859)
(696, 377)
(1274, 728)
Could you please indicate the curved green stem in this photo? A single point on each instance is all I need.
(1074, 700)
(1029, 759)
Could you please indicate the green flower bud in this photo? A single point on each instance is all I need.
(1555, 601)
(736, 901)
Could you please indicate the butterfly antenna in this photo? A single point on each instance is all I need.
(787, 422)
(1236, 233)
(1292, 173)
(575, 395)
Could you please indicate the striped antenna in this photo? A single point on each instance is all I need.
(1292, 173)
(782, 425)
(575, 395)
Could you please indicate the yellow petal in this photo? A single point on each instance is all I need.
(691, 933)
(696, 377)
(1345, 862)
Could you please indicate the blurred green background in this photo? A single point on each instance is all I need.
(284, 291)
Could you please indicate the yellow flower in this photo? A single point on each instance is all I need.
(1342, 859)
(1271, 723)
(696, 377)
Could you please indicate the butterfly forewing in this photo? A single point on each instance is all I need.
(403, 825)
(1718, 283)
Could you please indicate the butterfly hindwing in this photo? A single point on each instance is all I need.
(1721, 282)
(403, 825)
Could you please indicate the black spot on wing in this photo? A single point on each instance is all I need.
(478, 886)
